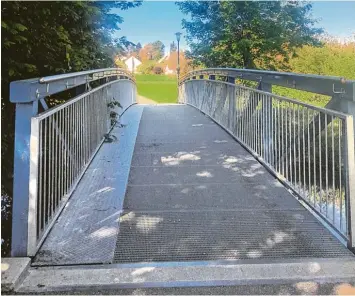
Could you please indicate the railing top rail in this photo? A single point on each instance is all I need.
(24, 91)
(326, 85)
(106, 71)
(62, 106)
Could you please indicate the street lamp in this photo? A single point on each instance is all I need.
(178, 35)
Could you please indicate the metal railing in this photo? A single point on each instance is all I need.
(310, 149)
(62, 142)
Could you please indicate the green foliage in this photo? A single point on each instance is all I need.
(159, 88)
(173, 47)
(146, 67)
(247, 34)
(42, 38)
(332, 59)
(158, 50)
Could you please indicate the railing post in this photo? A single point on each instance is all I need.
(350, 176)
(266, 110)
(21, 192)
(33, 188)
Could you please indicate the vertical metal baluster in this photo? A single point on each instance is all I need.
(86, 131)
(278, 122)
(88, 127)
(326, 162)
(333, 168)
(81, 131)
(40, 181)
(52, 166)
(257, 135)
(55, 146)
(340, 174)
(45, 195)
(262, 126)
(237, 97)
(242, 114)
(314, 162)
(304, 153)
(250, 121)
(75, 166)
(289, 122)
(72, 146)
(320, 161)
(309, 158)
(255, 115)
(299, 150)
(77, 139)
(272, 132)
(64, 145)
(58, 158)
(294, 146)
(286, 141)
(89, 124)
(282, 152)
(68, 152)
(62, 151)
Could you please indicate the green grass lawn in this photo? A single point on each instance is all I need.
(159, 88)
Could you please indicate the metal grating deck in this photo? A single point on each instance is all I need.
(222, 235)
(194, 194)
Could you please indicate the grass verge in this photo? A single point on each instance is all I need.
(159, 88)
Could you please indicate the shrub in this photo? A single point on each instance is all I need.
(158, 70)
(146, 67)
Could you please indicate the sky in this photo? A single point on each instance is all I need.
(160, 20)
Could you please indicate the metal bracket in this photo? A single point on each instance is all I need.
(342, 91)
(293, 84)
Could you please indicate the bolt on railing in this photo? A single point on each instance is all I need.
(310, 149)
(54, 148)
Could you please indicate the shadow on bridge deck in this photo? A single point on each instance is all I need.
(193, 194)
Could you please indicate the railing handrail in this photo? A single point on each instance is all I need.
(58, 77)
(30, 90)
(61, 106)
(290, 100)
(326, 85)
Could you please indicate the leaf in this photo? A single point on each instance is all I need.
(20, 27)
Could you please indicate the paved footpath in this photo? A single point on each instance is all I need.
(195, 194)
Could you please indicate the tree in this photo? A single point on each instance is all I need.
(138, 48)
(152, 51)
(158, 50)
(247, 34)
(47, 38)
(173, 47)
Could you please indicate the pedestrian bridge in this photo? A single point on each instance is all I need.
(233, 184)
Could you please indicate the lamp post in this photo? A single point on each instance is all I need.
(178, 35)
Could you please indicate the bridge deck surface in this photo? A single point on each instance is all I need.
(193, 194)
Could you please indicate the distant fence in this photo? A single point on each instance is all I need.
(308, 148)
(53, 148)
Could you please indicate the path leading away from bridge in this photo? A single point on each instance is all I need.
(193, 194)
